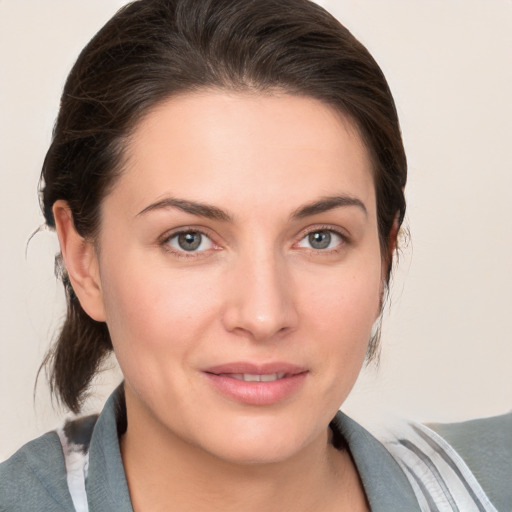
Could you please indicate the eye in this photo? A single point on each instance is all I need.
(321, 239)
(189, 241)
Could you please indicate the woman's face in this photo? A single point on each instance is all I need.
(240, 271)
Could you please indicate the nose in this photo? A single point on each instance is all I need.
(259, 298)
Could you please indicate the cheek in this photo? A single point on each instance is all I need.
(150, 312)
(341, 310)
(350, 300)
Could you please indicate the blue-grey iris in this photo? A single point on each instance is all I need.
(189, 241)
(320, 239)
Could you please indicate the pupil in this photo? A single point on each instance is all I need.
(320, 239)
(189, 241)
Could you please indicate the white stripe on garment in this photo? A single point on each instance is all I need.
(439, 477)
(77, 465)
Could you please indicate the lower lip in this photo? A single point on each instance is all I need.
(257, 393)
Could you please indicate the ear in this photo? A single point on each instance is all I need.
(392, 239)
(81, 261)
(387, 262)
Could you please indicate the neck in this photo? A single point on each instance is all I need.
(164, 470)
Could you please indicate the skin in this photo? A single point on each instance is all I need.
(256, 290)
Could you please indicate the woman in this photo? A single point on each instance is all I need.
(226, 179)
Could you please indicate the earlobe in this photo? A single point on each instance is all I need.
(81, 262)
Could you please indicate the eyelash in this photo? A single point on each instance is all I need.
(166, 239)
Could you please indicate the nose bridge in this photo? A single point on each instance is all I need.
(260, 302)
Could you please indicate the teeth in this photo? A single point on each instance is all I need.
(251, 377)
(254, 377)
(271, 376)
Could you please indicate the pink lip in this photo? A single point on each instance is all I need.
(256, 393)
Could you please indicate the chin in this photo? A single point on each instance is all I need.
(262, 442)
(259, 453)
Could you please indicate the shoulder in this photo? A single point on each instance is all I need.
(36, 476)
(441, 476)
(486, 447)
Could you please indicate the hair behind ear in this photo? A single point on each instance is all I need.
(80, 348)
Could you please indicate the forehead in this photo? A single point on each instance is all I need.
(217, 146)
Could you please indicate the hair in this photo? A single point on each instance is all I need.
(154, 49)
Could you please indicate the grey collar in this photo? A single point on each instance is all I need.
(384, 482)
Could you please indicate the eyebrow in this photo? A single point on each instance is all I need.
(328, 203)
(212, 212)
(200, 209)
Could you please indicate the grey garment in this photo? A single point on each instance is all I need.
(106, 484)
(385, 484)
(34, 478)
(486, 447)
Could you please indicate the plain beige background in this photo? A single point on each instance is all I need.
(447, 344)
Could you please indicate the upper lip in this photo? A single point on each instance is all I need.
(256, 368)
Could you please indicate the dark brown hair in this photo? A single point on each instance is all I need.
(153, 49)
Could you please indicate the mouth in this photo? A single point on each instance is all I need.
(260, 385)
